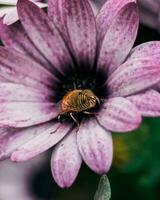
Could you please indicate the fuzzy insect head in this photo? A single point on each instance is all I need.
(77, 101)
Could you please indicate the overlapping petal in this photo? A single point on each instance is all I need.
(15, 36)
(119, 38)
(44, 35)
(107, 13)
(12, 138)
(148, 103)
(145, 50)
(134, 76)
(23, 114)
(119, 115)
(76, 23)
(66, 161)
(10, 92)
(44, 140)
(19, 68)
(95, 146)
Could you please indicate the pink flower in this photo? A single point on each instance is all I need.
(42, 61)
(9, 10)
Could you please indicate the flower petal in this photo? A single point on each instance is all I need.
(23, 114)
(41, 142)
(11, 16)
(15, 36)
(11, 92)
(17, 67)
(148, 103)
(44, 35)
(75, 20)
(119, 38)
(95, 145)
(4, 10)
(134, 76)
(148, 49)
(119, 115)
(66, 161)
(8, 2)
(12, 138)
(107, 13)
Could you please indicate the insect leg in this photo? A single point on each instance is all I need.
(90, 113)
(74, 119)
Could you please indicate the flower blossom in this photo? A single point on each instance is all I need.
(46, 57)
(149, 11)
(9, 10)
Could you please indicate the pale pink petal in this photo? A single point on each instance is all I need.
(119, 115)
(148, 49)
(41, 142)
(95, 145)
(107, 13)
(44, 35)
(11, 138)
(134, 76)
(11, 92)
(148, 103)
(19, 68)
(66, 161)
(11, 17)
(15, 36)
(5, 9)
(119, 38)
(23, 114)
(76, 22)
(8, 2)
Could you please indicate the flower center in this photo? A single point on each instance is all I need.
(93, 81)
(79, 94)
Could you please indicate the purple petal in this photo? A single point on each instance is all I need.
(11, 92)
(107, 13)
(44, 35)
(75, 21)
(148, 49)
(148, 103)
(17, 67)
(119, 38)
(11, 138)
(23, 114)
(95, 145)
(15, 36)
(134, 76)
(66, 161)
(41, 142)
(119, 115)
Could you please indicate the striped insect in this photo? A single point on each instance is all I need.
(77, 101)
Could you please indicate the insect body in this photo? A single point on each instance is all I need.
(77, 101)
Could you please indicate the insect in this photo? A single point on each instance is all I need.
(77, 101)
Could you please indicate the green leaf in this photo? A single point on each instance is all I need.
(104, 189)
